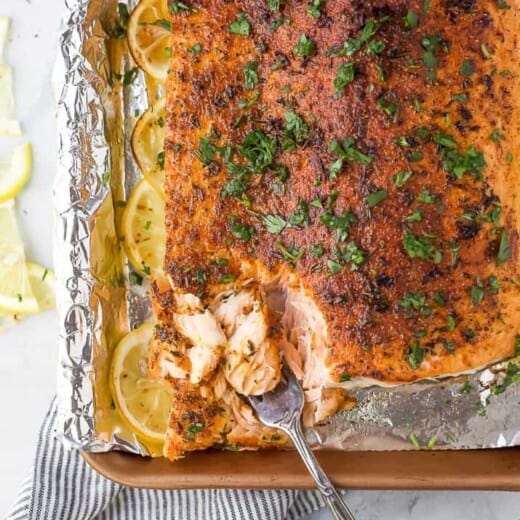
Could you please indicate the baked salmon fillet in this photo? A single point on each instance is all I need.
(341, 195)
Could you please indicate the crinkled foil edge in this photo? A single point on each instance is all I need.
(464, 412)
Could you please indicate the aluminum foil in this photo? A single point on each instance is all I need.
(97, 307)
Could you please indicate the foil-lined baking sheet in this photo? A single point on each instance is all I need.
(97, 306)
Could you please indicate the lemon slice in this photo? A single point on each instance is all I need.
(15, 171)
(148, 143)
(42, 283)
(143, 231)
(16, 296)
(149, 37)
(143, 402)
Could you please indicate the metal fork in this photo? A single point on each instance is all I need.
(282, 408)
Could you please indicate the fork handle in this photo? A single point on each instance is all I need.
(332, 498)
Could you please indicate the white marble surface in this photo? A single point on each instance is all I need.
(28, 353)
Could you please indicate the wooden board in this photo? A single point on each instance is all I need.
(497, 469)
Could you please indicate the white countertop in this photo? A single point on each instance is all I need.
(28, 352)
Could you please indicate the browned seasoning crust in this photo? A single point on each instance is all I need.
(396, 310)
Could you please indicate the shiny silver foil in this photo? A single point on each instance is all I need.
(97, 307)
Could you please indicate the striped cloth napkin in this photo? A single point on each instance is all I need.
(62, 486)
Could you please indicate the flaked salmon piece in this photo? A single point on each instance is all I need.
(252, 358)
(207, 342)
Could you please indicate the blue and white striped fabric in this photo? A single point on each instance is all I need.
(63, 487)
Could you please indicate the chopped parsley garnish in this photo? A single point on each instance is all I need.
(301, 215)
(411, 19)
(201, 276)
(135, 279)
(467, 68)
(413, 301)
(344, 76)
(161, 157)
(352, 254)
(196, 49)
(353, 45)
(504, 249)
(341, 223)
(317, 250)
(314, 9)
(380, 73)
(344, 378)
(334, 267)
(375, 47)
(415, 355)
(161, 22)
(295, 130)
(130, 76)
(227, 278)
(496, 135)
(251, 75)
(512, 376)
(458, 164)
(485, 52)
(444, 139)
(118, 32)
(275, 5)
(401, 178)
(416, 216)
(240, 26)
(373, 199)
(477, 291)
(305, 47)
(415, 156)
(105, 179)
(420, 247)
(207, 150)
(430, 60)
(259, 149)
(346, 151)
(246, 103)
(439, 298)
(461, 98)
(193, 429)
(426, 197)
(517, 345)
(290, 253)
(451, 323)
(180, 7)
(387, 106)
(243, 232)
(219, 262)
(274, 224)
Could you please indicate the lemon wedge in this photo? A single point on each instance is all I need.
(15, 171)
(8, 124)
(43, 283)
(16, 295)
(143, 402)
(143, 229)
(148, 144)
(149, 37)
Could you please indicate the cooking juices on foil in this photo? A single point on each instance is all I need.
(97, 113)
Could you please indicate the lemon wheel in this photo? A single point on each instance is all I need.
(148, 144)
(149, 37)
(143, 402)
(15, 171)
(143, 229)
(16, 295)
